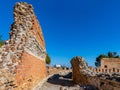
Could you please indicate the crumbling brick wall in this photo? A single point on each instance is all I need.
(108, 65)
(23, 55)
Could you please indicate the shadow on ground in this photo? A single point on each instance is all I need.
(64, 80)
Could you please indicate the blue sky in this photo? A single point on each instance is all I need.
(72, 27)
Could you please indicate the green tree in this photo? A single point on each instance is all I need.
(1, 41)
(109, 55)
(98, 59)
(48, 59)
(113, 55)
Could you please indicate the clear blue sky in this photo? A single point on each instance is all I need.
(72, 27)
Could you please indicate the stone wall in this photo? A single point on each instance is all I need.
(85, 77)
(105, 70)
(23, 55)
(53, 70)
(108, 65)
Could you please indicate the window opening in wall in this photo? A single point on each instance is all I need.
(113, 69)
(105, 66)
(117, 70)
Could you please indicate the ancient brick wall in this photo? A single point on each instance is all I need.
(83, 76)
(22, 58)
(108, 65)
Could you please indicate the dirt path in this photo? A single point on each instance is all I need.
(63, 82)
(53, 82)
(58, 81)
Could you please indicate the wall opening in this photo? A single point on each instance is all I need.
(113, 69)
(105, 70)
(117, 70)
(105, 66)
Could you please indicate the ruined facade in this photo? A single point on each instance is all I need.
(22, 58)
(82, 75)
(108, 65)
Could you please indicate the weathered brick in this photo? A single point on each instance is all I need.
(23, 59)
